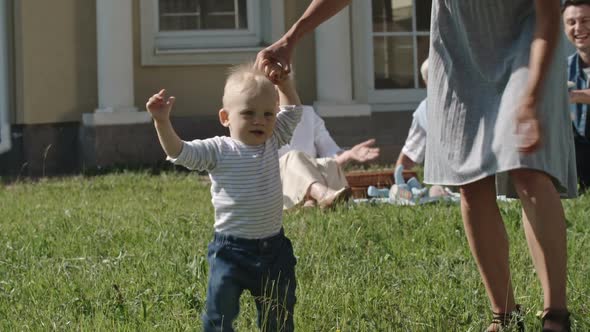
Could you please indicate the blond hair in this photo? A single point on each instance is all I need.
(246, 79)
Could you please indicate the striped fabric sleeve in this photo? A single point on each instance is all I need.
(287, 120)
(201, 155)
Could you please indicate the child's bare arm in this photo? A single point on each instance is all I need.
(159, 107)
(170, 142)
(291, 110)
(287, 92)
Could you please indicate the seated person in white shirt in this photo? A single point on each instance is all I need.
(311, 165)
(415, 146)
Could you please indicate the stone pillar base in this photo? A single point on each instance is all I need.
(105, 117)
(130, 145)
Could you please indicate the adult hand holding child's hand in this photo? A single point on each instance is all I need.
(159, 106)
(274, 71)
(279, 54)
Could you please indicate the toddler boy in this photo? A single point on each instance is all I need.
(249, 250)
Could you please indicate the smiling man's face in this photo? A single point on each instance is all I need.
(576, 20)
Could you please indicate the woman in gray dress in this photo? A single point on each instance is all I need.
(501, 127)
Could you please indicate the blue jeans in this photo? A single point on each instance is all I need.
(265, 267)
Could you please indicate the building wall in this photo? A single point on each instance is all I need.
(55, 71)
(11, 67)
(198, 88)
(389, 129)
(55, 65)
(55, 60)
(304, 57)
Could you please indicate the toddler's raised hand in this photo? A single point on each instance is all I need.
(159, 106)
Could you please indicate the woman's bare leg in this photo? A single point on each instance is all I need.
(544, 225)
(488, 241)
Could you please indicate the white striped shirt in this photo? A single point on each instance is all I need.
(246, 189)
(415, 146)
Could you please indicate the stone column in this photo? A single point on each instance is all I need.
(114, 66)
(116, 133)
(334, 69)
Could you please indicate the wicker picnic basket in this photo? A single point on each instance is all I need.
(359, 181)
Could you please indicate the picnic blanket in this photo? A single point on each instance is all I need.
(400, 196)
(411, 192)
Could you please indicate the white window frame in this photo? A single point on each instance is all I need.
(5, 143)
(171, 40)
(364, 67)
(265, 24)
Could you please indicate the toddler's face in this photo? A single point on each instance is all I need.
(251, 116)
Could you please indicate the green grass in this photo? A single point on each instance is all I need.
(127, 252)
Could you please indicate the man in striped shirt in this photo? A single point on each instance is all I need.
(249, 249)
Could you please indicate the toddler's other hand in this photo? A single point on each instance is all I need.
(159, 106)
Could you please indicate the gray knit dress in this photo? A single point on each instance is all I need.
(479, 55)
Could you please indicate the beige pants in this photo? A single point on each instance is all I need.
(299, 171)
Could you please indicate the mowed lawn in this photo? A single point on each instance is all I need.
(127, 252)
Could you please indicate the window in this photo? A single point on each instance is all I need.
(391, 40)
(208, 31)
(401, 39)
(186, 24)
(191, 15)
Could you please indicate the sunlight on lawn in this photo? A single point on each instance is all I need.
(128, 252)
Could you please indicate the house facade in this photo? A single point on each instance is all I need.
(75, 74)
